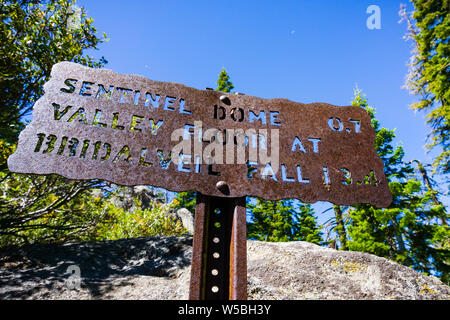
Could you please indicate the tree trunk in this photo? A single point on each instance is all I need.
(342, 233)
(433, 192)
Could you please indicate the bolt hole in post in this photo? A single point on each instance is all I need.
(214, 272)
(217, 266)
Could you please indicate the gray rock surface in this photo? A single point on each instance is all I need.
(145, 194)
(302, 270)
(159, 268)
(187, 219)
(141, 268)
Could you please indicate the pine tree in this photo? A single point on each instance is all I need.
(282, 220)
(223, 83)
(340, 226)
(305, 224)
(408, 231)
(429, 70)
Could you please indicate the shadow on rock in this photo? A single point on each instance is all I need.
(95, 266)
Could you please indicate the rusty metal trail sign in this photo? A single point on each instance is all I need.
(130, 130)
(97, 124)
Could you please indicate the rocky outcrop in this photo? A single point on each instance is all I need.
(187, 219)
(126, 199)
(301, 270)
(142, 268)
(159, 268)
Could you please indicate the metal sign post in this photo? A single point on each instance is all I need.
(219, 254)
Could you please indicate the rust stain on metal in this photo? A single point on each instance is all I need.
(198, 261)
(238, 252)
(94, 123)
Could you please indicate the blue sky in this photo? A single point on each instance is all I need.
(305, 51)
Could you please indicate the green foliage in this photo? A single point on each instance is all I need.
(282, 221)
(340, 227)
(429, 69)
(305, 226)
(408, 231)
(53, 209)
(34, 35)
(44, 209)
(392, 158)
(186, 200)
(223, 83)
(5, 150)
(156, 221)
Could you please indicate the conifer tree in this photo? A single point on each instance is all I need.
(340, 227)
(429, 70)
(306, 227)
(408, 231)
(282, 221)
(223, 83)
